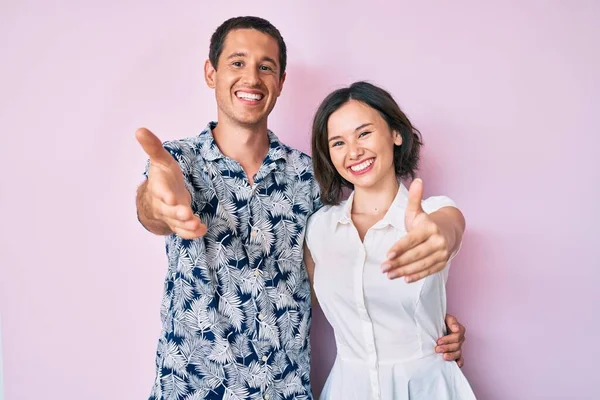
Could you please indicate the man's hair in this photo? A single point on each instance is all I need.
(262, 25)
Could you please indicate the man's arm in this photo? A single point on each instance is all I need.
(451, 344)
(163, 201)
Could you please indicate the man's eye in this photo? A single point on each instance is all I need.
(237, 64)
(266, 68)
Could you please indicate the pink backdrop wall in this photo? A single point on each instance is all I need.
(503, 92)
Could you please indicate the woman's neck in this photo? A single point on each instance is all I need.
(375, 200)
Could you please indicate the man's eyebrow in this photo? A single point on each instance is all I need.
(237, 54)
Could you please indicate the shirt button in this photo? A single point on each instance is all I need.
(264, 358)
(253, 233)
(261, 316)
(267, 396)
(256, 272)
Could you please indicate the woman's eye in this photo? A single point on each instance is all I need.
(363, 134)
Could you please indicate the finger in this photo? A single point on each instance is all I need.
(452, 322)
(412, 255)
(455, 326)
(460, 362)
(424, 274)
(161, 191)
(418, 269)
(449, 339)
(177, 212)
(414, 268)
(171, 198)
(415, 198)
(192, 224)
(153, 147)
(191, 234)
(409, 241)
(448, 348)
(452, 356)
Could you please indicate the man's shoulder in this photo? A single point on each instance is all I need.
(299, 154)
(191, 146)
(183, 144)
(296, 159)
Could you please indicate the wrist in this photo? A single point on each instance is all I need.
(448, 229)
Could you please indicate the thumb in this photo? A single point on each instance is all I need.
(415, 197)
(153, 147)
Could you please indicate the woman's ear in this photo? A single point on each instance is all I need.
(397, 138)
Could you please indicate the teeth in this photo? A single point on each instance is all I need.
(362, 165)
(249, 96)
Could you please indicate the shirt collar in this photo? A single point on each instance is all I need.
(346, 211)
(394, 216)
(209, 150)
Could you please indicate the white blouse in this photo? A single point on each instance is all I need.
(385, 330)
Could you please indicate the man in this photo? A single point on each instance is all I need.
(233, 204)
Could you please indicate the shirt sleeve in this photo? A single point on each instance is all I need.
(316, 196)
(309, 233)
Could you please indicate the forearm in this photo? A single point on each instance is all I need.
(452, 226)
(145, 214)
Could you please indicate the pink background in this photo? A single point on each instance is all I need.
(504, 93)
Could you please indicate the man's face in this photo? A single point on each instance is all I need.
(247, 80)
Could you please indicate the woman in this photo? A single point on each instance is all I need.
(385, 328)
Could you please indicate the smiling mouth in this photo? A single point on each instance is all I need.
(252, 97)
(362, 167)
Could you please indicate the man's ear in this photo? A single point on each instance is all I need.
(281, 82)
(209, 74)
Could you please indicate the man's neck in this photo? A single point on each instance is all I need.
(242, 142)
(248, 145)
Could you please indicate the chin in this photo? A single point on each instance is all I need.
(250, 120)
(366, 183)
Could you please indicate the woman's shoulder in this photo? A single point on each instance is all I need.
(324, 216)
(434, 203)
(322, 224)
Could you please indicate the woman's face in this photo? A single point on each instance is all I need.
(361, 145)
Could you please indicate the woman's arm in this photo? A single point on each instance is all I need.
(431, 239)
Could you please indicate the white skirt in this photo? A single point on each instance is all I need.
(430, 378)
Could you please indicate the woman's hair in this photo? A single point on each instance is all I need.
(406, 156)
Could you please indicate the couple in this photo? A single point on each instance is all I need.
(249, 228)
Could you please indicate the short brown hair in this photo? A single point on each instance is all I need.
(217, 39)
(406, 156)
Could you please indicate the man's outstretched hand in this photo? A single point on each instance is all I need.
(164, 203)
